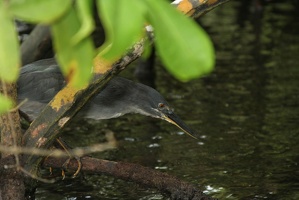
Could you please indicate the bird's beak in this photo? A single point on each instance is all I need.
(174, 119)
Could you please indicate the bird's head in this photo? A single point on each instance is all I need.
(122, 96)
(150, 102)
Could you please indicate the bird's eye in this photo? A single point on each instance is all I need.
(161, 105)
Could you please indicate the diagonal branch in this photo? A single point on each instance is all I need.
(42, 132)
(197, 8)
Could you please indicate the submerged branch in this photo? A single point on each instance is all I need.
(165, 183)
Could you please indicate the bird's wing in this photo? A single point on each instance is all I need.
(38, 84)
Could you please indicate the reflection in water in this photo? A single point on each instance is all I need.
(247, 112)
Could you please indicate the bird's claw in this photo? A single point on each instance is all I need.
(67, 162)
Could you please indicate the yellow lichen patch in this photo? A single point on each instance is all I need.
(101, 65)
(63, 120)
(203, 1)
(36, 131)
(72, 71)
(64, 96)
(210, 2)
(190, 12)
(185, 6)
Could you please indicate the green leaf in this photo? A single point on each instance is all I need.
(5, 104)
(123, 22)
(184, 47)
(85, 14)
(9, 47)
(38, 11)
(76, 59)
(148, 49)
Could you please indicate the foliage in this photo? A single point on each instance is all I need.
(183, 46)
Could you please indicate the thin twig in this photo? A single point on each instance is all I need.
(110, 144)
(18, 106)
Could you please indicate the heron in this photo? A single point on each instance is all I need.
(40, 81)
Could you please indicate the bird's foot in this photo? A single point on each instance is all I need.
(63, 145)
(67, 162)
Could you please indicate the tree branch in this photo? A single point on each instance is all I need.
(45, 128)
(165, 183)
(197, 8)
(11, 184)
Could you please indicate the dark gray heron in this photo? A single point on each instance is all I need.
(41, 80)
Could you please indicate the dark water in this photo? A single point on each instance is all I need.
(247, 111)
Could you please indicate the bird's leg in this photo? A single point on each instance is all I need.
(61, 143)
(66, 148)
